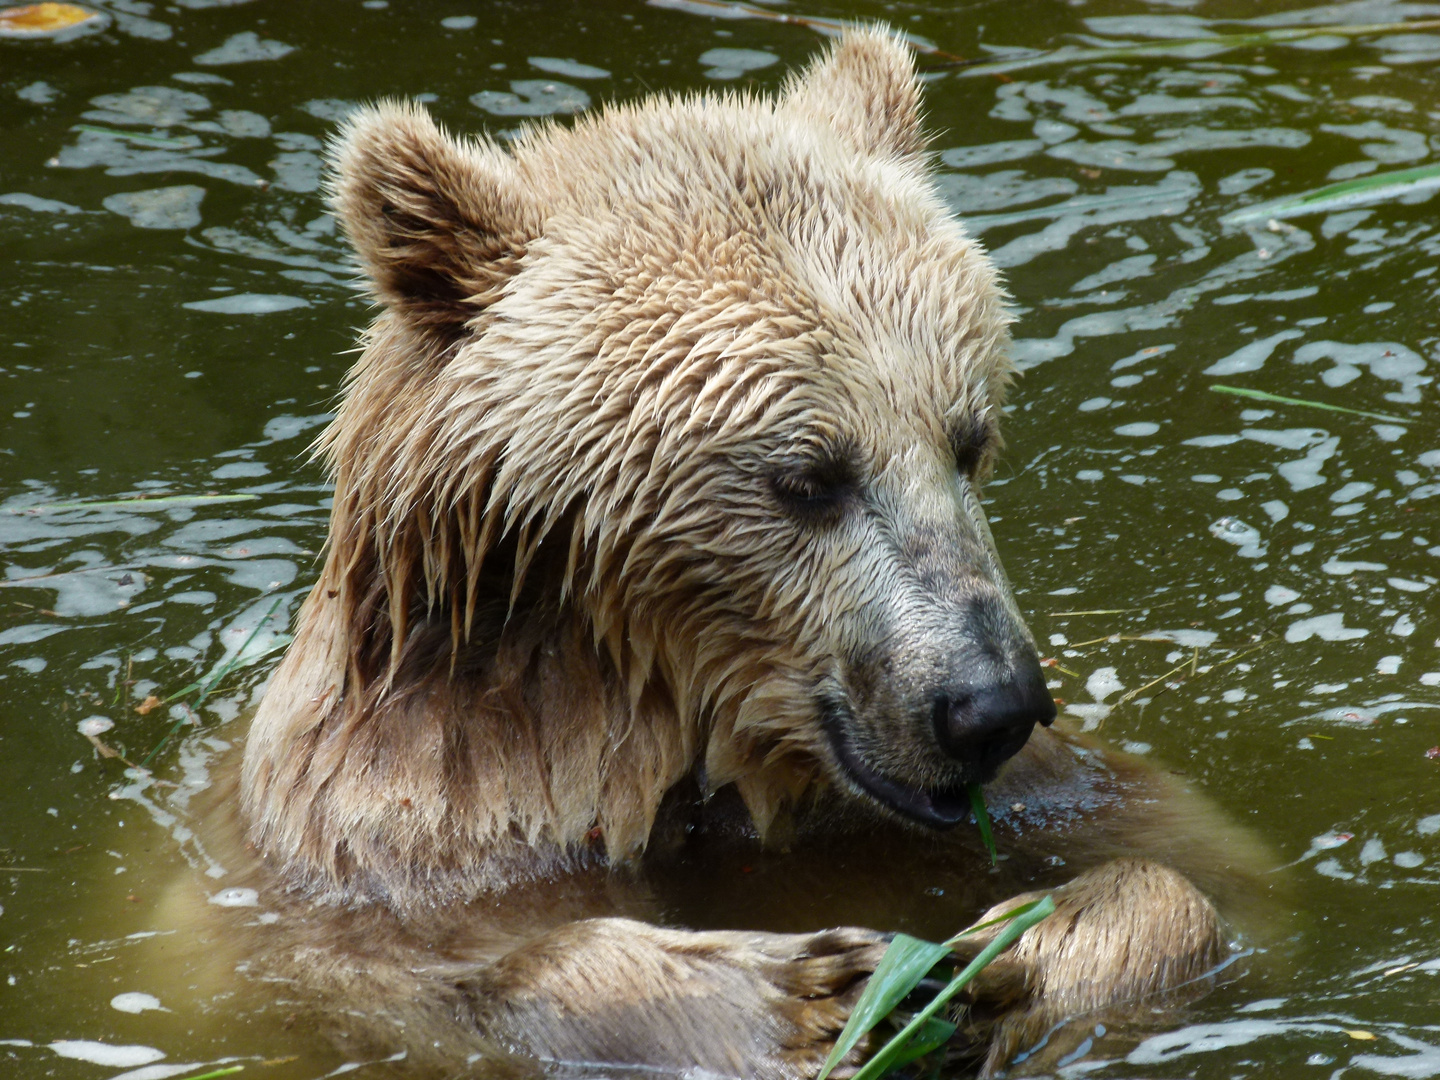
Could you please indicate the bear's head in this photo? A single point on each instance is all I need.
(726, 374)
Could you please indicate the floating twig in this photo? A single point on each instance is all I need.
(1112, 611)
(1123, 637)
(1193, 663)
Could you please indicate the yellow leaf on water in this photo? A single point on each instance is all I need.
(38, 20)
(1364, 1036)
(149, 703)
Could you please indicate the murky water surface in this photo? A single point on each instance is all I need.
(1244, 591)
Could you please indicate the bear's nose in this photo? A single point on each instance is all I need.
(983, 727)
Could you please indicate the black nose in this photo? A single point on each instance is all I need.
(983, 727)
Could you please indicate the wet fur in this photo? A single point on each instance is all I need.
(517, 695)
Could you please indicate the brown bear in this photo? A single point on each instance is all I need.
(657, 557)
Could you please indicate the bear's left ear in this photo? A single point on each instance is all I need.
(439, 225)
(865, 88)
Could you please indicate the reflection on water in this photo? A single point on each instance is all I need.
(1243, 590)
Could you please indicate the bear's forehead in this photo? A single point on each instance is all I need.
(855, 254)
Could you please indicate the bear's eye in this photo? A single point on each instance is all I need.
(973, 441)
(815, 492)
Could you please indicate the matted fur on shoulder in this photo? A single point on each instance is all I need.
(550, 591)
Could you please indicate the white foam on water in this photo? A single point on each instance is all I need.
(175, 207)
(1189, 639)
(242, 48)
(136, 1003)
(1102, 683)
(37, 204)
(532, 97)
(248, 304)
(158, 1072)
(1090, 715)
(98, 1053)
(732, 63)
(1251, 357)
(236, 898)
(1210, 441)
(1329, 627)
(94, 725)
(1345, 569)
(1205, 1038)
(1406, 585)
(571, 69)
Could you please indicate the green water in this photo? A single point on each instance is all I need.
(1278, 562)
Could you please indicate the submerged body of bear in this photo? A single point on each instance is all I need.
(656, 556)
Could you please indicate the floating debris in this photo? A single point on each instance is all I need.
(48, 21)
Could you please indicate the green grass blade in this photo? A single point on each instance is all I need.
(934, 1034)
(210, 684)
(905, 963)
(234, 660)
(891, 1055)
(184, 691)
(1362, 191)
(1216, 42)
(214, 1073)
(140, 502)
(1261, 395)
(982, 819)
(1013, 913)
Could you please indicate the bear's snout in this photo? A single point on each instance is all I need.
(983, 727)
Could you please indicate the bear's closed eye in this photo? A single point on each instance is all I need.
(816, 493)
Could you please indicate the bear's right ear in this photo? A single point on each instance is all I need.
(439, 225)
(865, 88)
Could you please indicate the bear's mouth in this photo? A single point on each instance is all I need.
(939, 808)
